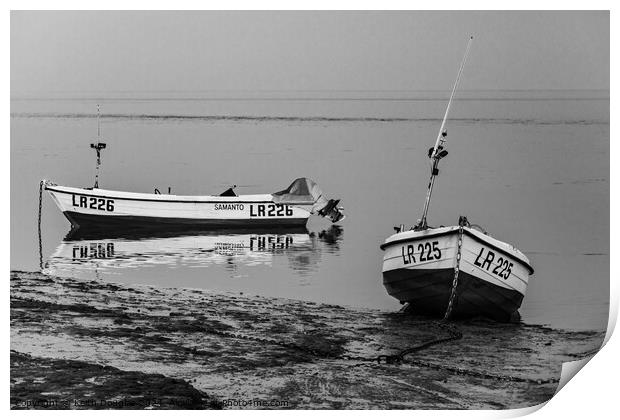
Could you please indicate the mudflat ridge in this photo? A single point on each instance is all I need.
(147, 347)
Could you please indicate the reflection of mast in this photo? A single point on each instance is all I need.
(231, 264)
(97, 274)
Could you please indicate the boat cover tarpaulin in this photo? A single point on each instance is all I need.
(301, 191)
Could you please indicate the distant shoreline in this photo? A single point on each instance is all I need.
(321, 95)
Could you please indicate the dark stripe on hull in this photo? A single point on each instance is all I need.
(136, 234)
(81, 220)
(428, 292)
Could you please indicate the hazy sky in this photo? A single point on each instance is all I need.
(189, 51)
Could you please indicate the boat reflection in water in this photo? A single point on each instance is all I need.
(95, 254)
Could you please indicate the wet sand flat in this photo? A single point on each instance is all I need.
(209, 349)
(42, 383)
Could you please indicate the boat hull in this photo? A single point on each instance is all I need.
(88, 208)
(419, 267)
(147, 222)
(428, 293)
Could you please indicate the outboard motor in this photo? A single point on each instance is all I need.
(332, 211)
(304, 191)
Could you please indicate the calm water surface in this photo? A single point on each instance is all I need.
(531, 167)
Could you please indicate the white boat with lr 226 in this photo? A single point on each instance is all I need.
(95, 207)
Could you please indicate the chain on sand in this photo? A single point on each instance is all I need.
(453, 334)
(455, 279)
(41, 184)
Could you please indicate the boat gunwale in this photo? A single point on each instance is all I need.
(211, 199)
(451, 230)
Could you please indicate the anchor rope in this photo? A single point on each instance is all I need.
(41, 184)
(455, 279)
(454, 334)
